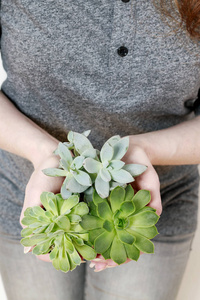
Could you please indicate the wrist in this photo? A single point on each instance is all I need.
(43, 148)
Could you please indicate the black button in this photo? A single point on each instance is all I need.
(125, 1)
(122, 51)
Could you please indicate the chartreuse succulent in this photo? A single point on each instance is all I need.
(90, 169)
(122, 225)
(56, 230)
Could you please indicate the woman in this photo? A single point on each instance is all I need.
(115, 67)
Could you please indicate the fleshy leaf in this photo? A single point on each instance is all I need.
(120, 148)
(64, 153)
(81, 209)
(91, 222)
(102, 187)
(106, 152)
(116, 198)
(81, 142)
(116, 164)
(103, 241)
(86, 252)
(132, 252)
(105, 175)
(108, 225)
(69, 203)
(125, 237)
(93, 234)
(135, 169)
(141, 199)
(92, 153)
(143, 219)
(74, 187)
(77, 162)
(63, 222)
(121, 176)
(104, 210)
(127, 208)
(129, 193)
(143, 244)
(148, 232)
(113, 140)
(54, 172)
(118, 253)
(82, 178)
(91, 165)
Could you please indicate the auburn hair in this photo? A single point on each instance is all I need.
(185, 13)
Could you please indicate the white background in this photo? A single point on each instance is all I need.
(190, 287)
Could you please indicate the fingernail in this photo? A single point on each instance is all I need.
(107, 267)
(92, 265)
(83, 262)
(97, 259)
(27, 249)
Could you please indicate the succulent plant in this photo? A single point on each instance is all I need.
(109, 169)
(122, 225)
(56, 230)
(102, 170)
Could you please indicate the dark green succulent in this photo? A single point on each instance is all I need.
(56, 230)
(122, 225)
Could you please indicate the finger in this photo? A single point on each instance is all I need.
(44, 257)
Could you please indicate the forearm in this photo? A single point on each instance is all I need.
(177, 145)
(21, 136)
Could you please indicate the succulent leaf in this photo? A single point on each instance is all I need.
(141, 199)
(91, 165)
(102, 187)
(106, 152)
(121, 176)
(82, 178)
(117, 198)
(135, 169)
(118, 252)
(120, 148)
(103, 241)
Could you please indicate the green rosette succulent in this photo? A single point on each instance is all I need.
(56, 230)
(122, 225)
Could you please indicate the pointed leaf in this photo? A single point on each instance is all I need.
(96, 198)
(102, 187)
(127, 208)
(125, 237)
(118, 253)
(121, 176)
(81, 209)
(91, 165)
(26, 232)
(106, 152)
(116, 164)
(69, 203)
(120, 148)
(143, 219)
(148, 232)
(104, 210)
(82, 178)
(143, 244)
(108, 225)
(86, 252)
(64, 153)
(113, 140)
(81, 142)
(129, 193)
(77, 163)
(141, 199)
(91, 222)
(103, 241)
(63, 222)
(93, 234)
(74, 187)
(132, 252)
(116, 198)
(105, 175)
(135, 169)
(54, 172)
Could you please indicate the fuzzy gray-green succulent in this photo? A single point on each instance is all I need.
(122, 225)
(88, 167)
(56, 230)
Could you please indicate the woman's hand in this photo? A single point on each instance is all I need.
(148, 180)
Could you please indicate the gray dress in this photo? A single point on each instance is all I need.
(110, 66)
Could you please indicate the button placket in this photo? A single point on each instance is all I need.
(122, 38)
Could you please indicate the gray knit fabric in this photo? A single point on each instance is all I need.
(65, 73)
